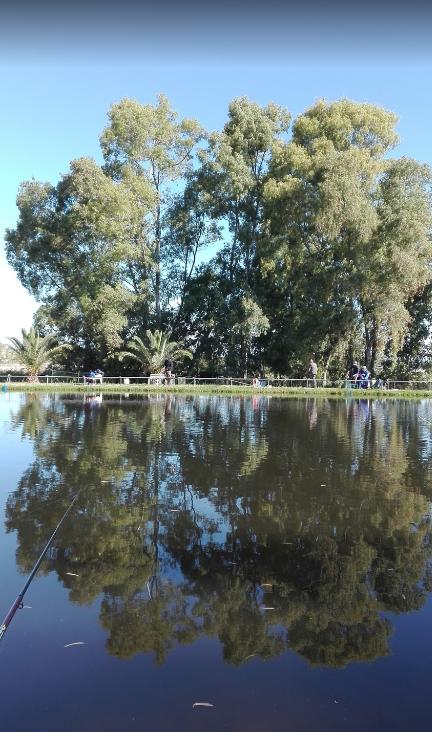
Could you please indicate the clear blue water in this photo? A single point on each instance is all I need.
(269, 557)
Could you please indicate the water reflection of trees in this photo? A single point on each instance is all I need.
(268, 525)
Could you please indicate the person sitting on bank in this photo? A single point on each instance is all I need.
(363, 378)
(313, 371)
(90, 377)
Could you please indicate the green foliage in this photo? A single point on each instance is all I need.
(152, 355)
(149, 143)
(349, 233)
(251, 324)
(321, 240)
(80, 248)
(35, 352)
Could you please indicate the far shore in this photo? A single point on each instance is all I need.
(190, 390)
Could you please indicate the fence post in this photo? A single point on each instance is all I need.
(194, 381)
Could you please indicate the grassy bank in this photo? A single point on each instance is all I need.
(280, 391)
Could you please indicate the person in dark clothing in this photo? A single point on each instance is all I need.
(168, 367)
(364, 378)
(352, 374)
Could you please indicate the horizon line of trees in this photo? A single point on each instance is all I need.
(258, 246)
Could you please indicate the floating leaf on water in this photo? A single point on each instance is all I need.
(77, 643)
(202, 704)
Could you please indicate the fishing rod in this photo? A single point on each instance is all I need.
(19, 600)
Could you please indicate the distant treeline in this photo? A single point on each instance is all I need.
(259, 246)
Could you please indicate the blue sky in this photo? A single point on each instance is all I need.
(54, 111)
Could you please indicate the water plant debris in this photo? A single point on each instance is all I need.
(202, 704)
(77, 643)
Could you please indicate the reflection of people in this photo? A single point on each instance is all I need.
(94, 400)
(167, 408)
(312, 413)
(312, 371)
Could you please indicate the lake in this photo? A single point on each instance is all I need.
(269, 557)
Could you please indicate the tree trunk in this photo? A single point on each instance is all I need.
(158, 273)
(371, 346)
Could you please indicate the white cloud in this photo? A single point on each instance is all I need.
(16, 305)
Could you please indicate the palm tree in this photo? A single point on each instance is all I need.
(35, 352)
(153, 354)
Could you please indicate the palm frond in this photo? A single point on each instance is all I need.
(153, 355)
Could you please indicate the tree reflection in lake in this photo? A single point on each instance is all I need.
(268, 524)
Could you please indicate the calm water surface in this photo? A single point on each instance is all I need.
(269, 557)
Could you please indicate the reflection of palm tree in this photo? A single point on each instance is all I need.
(31, 416)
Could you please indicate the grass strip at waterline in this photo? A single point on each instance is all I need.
(278, 391)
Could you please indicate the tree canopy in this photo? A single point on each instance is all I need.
(259, 245)
(34, 352)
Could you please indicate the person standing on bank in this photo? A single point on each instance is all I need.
(168, 367)
(352, 374)
(312, 371)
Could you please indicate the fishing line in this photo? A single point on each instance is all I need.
(19, 600)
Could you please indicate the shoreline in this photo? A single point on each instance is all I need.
(278, 391)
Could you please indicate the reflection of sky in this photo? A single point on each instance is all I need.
(15, 458)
